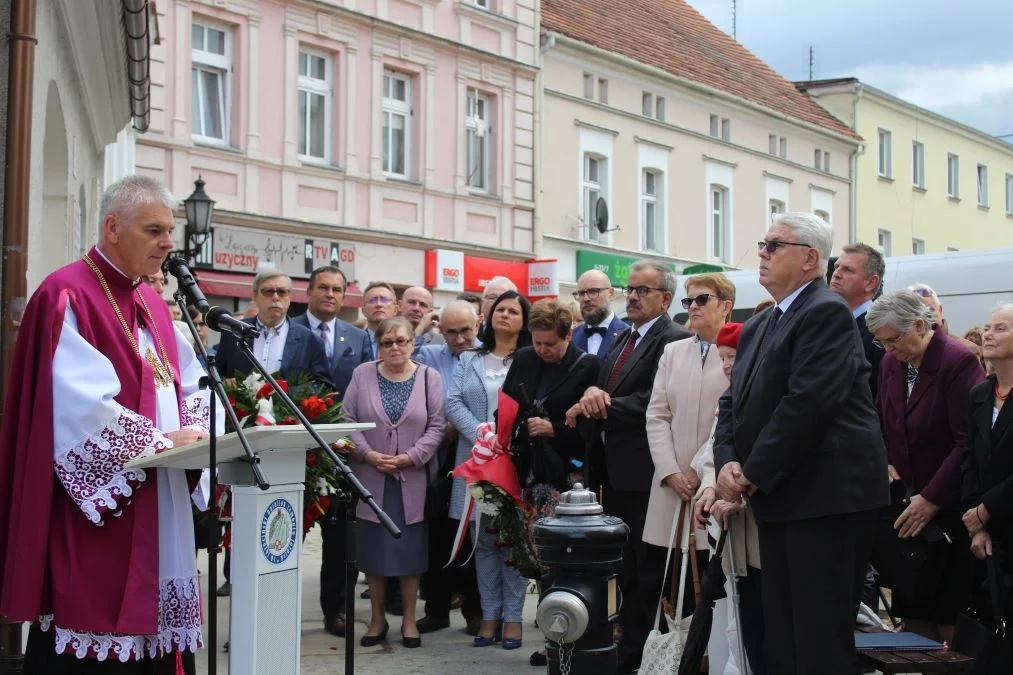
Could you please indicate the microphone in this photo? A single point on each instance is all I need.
(178, 268)
(221, 320)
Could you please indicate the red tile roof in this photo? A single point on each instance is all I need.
(672, 36)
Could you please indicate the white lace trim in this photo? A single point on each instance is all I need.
(92, 471)
(179, 628)
(196, 412)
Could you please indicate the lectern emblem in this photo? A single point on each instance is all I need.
(278, 531)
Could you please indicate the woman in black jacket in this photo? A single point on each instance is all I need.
(988, 467)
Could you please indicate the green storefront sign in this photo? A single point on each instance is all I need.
(617, 267)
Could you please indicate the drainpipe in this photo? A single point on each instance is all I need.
(15, 232)
(540, 135)
(853, 225)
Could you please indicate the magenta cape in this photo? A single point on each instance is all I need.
(52, 559)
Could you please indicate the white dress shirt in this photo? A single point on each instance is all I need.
(594, 341)
(642, 331)
(269, 346)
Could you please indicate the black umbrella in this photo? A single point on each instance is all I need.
(712, 589)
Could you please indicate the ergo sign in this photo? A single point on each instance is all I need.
(455, 272)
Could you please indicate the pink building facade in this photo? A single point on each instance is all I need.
(375, 129)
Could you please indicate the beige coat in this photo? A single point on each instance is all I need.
(679, 419)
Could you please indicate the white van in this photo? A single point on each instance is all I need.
(969, 284)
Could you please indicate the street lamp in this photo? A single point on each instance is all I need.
(199, 209)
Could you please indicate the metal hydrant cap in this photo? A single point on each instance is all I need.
(578, 502)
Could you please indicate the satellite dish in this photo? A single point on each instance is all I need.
(601, 215)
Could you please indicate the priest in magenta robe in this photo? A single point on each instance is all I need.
(100, 558)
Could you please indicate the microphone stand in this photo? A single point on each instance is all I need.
(214, 380)
(357, 492)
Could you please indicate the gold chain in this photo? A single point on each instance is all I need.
(162, 370)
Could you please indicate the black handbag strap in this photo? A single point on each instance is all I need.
(994, 590)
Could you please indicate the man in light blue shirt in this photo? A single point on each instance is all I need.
(458, 325)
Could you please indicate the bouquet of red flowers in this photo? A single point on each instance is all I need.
(257, 404)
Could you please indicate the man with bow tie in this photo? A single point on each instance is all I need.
(601, 325)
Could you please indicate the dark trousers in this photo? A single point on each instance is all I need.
(638, 610)
(441, 582)
(751, 631)
(813, 573)
(41, 659)
(332, 561)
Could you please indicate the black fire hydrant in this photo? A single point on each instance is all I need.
(583, 551)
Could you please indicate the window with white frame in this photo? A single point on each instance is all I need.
(917, 247)
(647, 104)
(885, 242)
(1009, 194)
(783, 148)
(594, 183)
(885, 153)
(659, 107)
(726, 129)
(588, 86)
(982, 185)
(477, 130)
(719, 243)
(314, 105)
(397, 111)
(603, 90)
(918, 164)
(772, 144)
(826, 161)
(775, 207)
(484, 4)
(653, 210)
(211, 63)
(953, 175)
(818, 158)
(715, 126)
(824, 215)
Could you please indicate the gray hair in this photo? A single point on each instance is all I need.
(1003, 306)
(132, 192)
(501, 280)
(899, 310)
(268, 273)
(666, 277)
(874, 263)
(810, 230)
(459, 304)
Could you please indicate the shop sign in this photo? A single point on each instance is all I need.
(455, 272)
(445, 270)
(543, 278)
(478, 272)
(234, 249)
(617, 267)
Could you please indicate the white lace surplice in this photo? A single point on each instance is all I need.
(93, 437)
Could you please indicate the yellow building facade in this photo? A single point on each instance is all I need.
(923, 183)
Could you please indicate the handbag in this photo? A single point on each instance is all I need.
(663, 651)
(981, 638)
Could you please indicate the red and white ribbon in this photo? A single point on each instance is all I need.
(484, 450)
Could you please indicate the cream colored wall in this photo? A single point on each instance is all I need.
(929, 214)
(692, 153)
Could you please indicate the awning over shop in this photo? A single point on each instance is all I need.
(232, 285)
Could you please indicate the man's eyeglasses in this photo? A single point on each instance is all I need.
(400, 342)
(452, 333)
(589, 293)
(888, 342)
(700, 300)
(772, 245)
(641, 291)
(379, 300)
(280, 292)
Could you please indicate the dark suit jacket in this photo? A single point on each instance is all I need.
(799, 417)
(565, 388)
(926, 434)
(873, 354)
(351, 348)
(612, 331)
(988, 462)
(628, 463)
(303, 353)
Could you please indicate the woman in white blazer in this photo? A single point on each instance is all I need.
(687, 387)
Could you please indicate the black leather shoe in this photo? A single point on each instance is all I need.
(371, 640)
(430, 624)
(410, 642)
(335, 625)
(539, 659)
(225, 590)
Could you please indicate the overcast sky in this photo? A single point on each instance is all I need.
(954, 57)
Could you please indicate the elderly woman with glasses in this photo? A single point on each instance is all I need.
(405, 400)
(924, 381)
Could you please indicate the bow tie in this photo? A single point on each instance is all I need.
(595, 330)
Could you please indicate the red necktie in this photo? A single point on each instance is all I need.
(624, 356)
